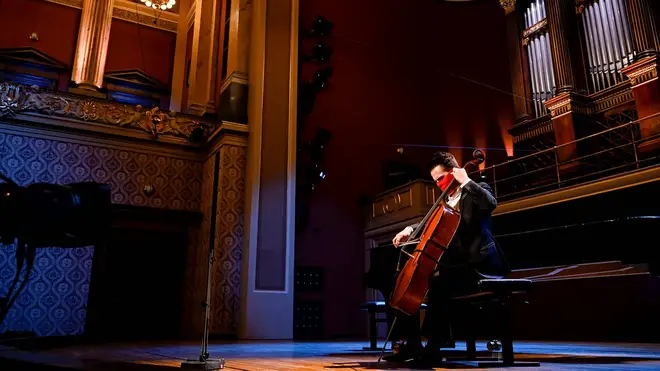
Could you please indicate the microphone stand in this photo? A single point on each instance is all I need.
(204, 362)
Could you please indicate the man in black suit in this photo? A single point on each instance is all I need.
(471, 255)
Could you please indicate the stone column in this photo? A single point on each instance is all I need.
(268, 251)
(92, 48)
(203, 69)
(521, 107)
(179, 68)
(234, 89)
(643, 74)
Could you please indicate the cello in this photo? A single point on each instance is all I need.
(432, 238)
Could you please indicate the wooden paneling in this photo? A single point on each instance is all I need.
(404, 203)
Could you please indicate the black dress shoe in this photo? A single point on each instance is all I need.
(406, 352)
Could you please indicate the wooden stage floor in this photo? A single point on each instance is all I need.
(252, 356)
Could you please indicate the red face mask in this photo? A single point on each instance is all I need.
(445, 181)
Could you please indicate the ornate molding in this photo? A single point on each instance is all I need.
(508, 5)
(568, 102)
(16, 98)
(531, 129)
(125, 10)
(234, 77)
(642, 71)
(144, 19)
(535, 28)
(612, 97)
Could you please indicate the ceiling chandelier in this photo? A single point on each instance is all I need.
(159, 4)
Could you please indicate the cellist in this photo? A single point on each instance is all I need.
(472, 253)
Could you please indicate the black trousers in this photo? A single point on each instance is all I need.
(447, 282)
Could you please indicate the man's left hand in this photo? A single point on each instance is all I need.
(460, 175)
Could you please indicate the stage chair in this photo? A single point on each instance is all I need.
(496, 298)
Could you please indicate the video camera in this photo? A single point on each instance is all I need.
(50, 215)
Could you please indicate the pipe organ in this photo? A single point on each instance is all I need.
(607, 41)
(540, 58)
(582, 62)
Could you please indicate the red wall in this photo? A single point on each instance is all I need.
(56, 26)
(387, 89)
(134, 46)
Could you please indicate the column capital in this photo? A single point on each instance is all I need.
(508, 5)
(642, 71)
(568, 102)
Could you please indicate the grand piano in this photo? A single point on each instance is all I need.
(594, 259)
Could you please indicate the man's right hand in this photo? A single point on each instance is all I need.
(402, 236)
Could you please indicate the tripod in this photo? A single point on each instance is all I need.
(204, 362)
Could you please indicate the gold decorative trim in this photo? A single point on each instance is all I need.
(568, 102)
(642, 71)
(17, 98)
(508, 5)
(614, 96)
(533, 131)
(535, 28)
(125, 10)
(144, 20)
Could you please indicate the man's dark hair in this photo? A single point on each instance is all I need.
(446, 159)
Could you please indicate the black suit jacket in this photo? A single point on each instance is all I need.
(474, 244)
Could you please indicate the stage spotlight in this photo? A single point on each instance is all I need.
(322, 27)
(321, 52)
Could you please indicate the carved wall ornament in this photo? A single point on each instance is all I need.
(17, 98)
(508, 5)
(535, 28)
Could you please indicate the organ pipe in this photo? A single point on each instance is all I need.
(608, 41)
(540, 57)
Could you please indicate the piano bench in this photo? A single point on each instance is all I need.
(496, 297)
(373, 308)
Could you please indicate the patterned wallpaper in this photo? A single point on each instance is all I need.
(197, 260)
(54, 301)
(225, 289)
(228, 240)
